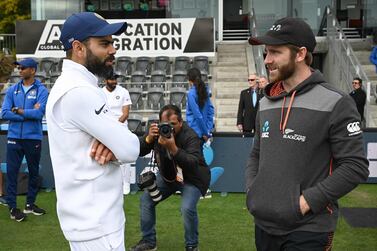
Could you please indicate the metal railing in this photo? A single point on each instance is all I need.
(257, 50)
(343, 62)
(7, 43)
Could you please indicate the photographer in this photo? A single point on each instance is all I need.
(181, 168)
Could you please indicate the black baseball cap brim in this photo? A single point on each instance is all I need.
(267, 40)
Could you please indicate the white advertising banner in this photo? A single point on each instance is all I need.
(144, 37)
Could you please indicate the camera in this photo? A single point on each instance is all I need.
(147, 181)
(165, 129)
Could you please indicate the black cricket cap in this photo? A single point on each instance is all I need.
(288, 30)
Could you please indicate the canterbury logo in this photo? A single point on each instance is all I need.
(353, 128)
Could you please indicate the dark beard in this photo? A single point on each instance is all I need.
(286, 71)
(110, 87)
(96, 66)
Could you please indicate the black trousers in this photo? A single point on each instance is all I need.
(295, 241)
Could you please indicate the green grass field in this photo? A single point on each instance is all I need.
(225, 224)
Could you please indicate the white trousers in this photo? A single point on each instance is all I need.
(128, 173)
(110, 242)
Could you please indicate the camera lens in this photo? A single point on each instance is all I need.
(165, 130)
(147, 181)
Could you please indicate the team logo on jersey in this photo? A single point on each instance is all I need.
(289, 134)
(117, 97)
(32, 94)
(265, 129)
(353, 128)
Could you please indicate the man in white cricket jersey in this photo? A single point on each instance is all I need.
(86, 143)
(119, 102)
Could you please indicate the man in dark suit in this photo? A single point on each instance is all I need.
(248, 106)
(359, 95)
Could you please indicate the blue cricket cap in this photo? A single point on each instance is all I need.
(28, 63)
(81, 26)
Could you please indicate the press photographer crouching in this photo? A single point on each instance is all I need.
(181, 168)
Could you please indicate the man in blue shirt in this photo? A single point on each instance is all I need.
(24, 106)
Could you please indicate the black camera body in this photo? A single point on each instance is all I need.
(165, 129)
(147, 181)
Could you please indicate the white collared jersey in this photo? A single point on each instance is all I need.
(89, 196)
(117, 99)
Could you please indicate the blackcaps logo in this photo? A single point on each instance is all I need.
(353, 128)
(265, 129)
(289, 134)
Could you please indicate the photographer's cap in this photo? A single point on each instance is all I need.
(288, 30)
(81, 26)
(27, 63)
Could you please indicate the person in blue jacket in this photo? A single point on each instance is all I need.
(373, 56)
(24, 106)
(199, 109)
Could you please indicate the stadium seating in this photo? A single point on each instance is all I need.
(178, 97)
(136, 95)
(204, 76)
(202, 63)
(47, 65)
(155, 98)
(182, 63)
(138, 79)
(143, 64)
(135, 123)
(124, 65)
(53, 77)
(158, 79)
(59, 65)
(162, 63)
(152, 82)
(42, 76)
(180, 79)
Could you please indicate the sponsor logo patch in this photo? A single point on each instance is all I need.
(265, 130)
(99, 110)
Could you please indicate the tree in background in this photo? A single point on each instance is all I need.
(12, 10)
(6, 68)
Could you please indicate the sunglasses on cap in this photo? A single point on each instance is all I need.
(22, 68)
(251, 79)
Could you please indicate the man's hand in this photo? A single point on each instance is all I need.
(17, 110)
(205, 138)
(101, 153)
(37, 106)
(240, 127)
(152, 133)
(169, 144)
(304, 207)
